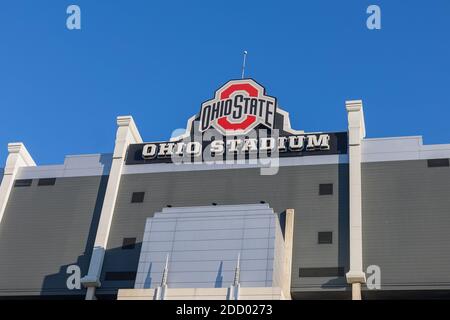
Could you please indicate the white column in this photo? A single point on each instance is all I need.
(18, 157)
(90, 293)
(356, 132)
(127, 133)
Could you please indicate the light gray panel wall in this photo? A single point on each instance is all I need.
(45, 229)
(278, 255)
(294, 187)
(406, 223)
(212, 241)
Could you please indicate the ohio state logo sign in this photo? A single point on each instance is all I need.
(237, 108)
(252, 126)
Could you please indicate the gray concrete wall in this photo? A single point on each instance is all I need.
(58, 222)
(294, 187)
(406, 223)
(44, 230)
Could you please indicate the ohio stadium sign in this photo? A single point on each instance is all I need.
(240, 122)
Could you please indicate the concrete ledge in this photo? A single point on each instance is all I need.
(135, 294)
(248, 293)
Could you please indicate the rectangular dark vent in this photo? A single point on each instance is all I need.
(47, 182)
(120, 276)
(321, 272)
(325, 237)
(432, 163)
(325, 189)
(137, 197)
(23, 182)
(128, 243)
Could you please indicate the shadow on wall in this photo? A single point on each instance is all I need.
(148, 279)
(121, 276)
(56, 284)
(106, 160)
(343, 231)
(219, 277)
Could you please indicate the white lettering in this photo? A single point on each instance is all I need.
(217, 146)
(250, 145)
(149, 151)
(321, 143)
(233, 145)
(296, 143)
(166, 149)
(282, 144)
(194, 148)
(266, 144)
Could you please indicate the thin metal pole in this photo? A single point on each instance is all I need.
(237, 271)
(165, 272)
(243, 64)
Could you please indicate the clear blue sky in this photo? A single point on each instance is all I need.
(61, 90)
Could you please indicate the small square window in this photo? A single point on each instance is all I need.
(325, 237)
(325, 189)
(137, 197)
(438, 163)
(47, 182)
(128, 243)
(23, 182)
(120, 276)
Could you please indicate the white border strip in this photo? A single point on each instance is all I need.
(401, 149)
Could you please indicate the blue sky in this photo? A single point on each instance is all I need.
(61, 90)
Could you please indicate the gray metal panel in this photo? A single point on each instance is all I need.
(406, 223)
(44, 230)
(211, 236)
(294, 187)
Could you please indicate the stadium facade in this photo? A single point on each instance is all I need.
(240, 206)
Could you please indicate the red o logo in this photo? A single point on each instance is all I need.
(232, 113)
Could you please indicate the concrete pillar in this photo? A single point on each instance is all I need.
(127, 133)
(18, 157)
(289, 242)
(233, 292)
(356, 291)
(356, 132)
(90, 294)
(161, 292)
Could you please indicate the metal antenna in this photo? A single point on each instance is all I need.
(237, 271)
(165, 272)
(243, 64)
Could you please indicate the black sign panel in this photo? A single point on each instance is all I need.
(336, 143)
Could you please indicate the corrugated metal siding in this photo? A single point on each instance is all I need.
(293, 187)
(44, 230)
(406, 223)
